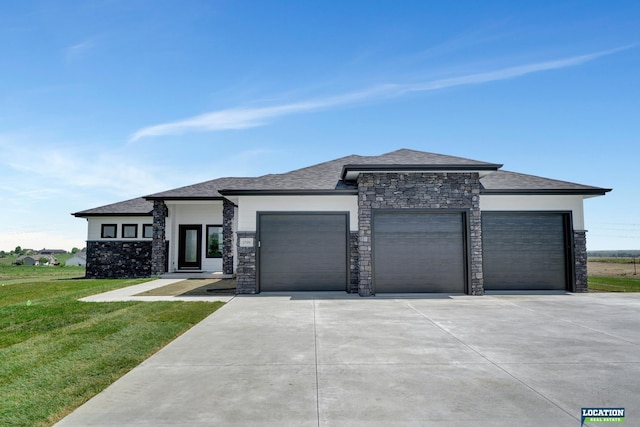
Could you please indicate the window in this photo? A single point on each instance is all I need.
(129, 231)
(108, 231)
(214, 241)
(147, 231)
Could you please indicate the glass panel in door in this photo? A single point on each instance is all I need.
(190, 247)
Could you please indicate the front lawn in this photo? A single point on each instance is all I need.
(24, 273)
(57, 352)
(614, 284)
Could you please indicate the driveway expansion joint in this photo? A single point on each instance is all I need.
(497, 365)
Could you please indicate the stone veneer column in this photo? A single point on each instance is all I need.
(580, 257)
(354, 264)
(419, 191)
(158, 247)
(246, 270)
(228, 211)
(476, 287)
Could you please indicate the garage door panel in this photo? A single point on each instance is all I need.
(524, 251)
(419, 252)
(303, 252)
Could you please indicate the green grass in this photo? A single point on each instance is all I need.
(7, 259)
(57, 352)
(10, 274)
(614, 284)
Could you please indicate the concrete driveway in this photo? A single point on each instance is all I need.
(331, 359)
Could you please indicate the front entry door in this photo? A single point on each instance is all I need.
(190, 247)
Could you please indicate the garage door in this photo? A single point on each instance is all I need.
(419, 252)
(303, 252)
(524, 251)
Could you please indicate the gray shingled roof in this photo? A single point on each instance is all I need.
(512, 182)
(135, 207)
(204, 190)
(325, 177)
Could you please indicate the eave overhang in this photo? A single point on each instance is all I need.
(351, 172)
(347, 192)
(152, 198)
(557, 191)
(87, 215)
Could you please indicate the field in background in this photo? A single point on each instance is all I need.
(614, 274)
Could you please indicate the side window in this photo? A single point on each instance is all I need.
(129, 231)
(214, 241)
(147, 231)
(108, 231)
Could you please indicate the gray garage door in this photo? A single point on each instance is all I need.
(524, 251)
(303, 252)
(419, 252)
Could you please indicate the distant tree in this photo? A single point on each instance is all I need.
(17, 250)
(43, 260)
(74, 250)
(3, 254)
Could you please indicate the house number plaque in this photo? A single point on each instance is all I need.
(246, 242)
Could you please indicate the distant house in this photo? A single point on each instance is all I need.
(51, 251)
(26, 260)
(78, 259)
(36, 260)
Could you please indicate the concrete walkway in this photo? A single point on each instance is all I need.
(130, 294)
(332, 359)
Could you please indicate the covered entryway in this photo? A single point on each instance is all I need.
(525, 250)
(419, 251)
(303, 251)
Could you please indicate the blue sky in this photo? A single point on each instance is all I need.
(103, 101)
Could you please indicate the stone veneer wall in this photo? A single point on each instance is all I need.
(158, 246)
(580, 258)
(418, 191)
(246, 270)
(117, 259)
(228, 212)
(354, 265)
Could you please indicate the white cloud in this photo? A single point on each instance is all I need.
(40, 191)
(77, 170)
(40, 188)
(243, 118)
(77, 50)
